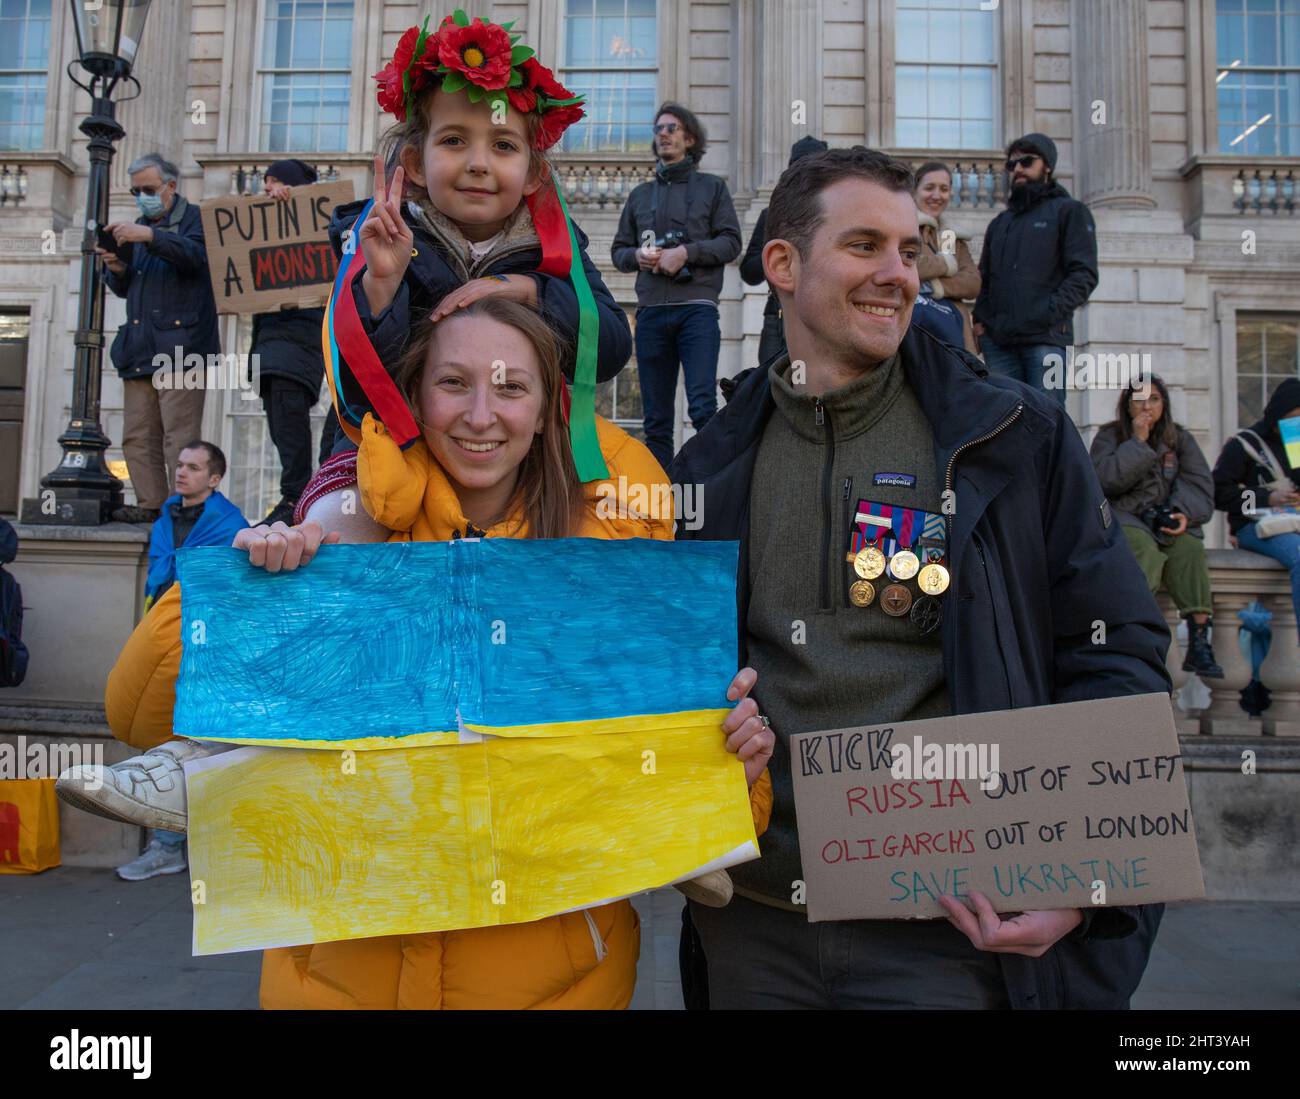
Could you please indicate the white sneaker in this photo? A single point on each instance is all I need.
(157, 859)
(148, 789)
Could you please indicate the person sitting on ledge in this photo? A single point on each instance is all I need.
(1158, 483)
(1258, 488)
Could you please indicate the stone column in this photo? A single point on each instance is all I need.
(158, 119)
(790, 45)
(1112, 159)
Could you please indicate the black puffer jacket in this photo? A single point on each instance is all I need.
(288, 345)
(1039, 561)
(1236, 471)
(680, 197)
(1039, 264)
(751, 264)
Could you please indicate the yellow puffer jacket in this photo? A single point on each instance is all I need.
(582, 960)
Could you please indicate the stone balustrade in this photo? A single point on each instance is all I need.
(1238, 578)
(975, 185)
(1263, 190)
(1223, 186)
(602, 182)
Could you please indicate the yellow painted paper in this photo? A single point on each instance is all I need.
(291, 847)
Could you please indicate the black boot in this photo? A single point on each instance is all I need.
(281, 513)
(1200, 656)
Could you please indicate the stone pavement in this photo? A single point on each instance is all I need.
(80, 938)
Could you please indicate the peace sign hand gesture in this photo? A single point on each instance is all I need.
(385, 237)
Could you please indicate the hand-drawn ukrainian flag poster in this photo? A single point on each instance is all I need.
(540, 725)
(1289, 429)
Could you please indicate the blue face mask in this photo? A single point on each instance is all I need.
(150, 205)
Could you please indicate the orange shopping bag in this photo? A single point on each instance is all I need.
(29, 826)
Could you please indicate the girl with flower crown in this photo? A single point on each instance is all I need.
(465, 207)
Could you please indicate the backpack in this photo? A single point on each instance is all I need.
(13, 653)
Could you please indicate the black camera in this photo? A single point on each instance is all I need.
(1157, 518)
(672, 239)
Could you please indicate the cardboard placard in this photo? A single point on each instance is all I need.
(263, 253)
(891, 816)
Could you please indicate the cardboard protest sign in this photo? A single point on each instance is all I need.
(1085, 804)
(263, 253)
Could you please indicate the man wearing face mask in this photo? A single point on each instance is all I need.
(160, 265)
(1038, 265)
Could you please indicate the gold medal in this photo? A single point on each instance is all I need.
(861, 593)
(895, 600)
(933, 580)
(869, 563)
(904, 565)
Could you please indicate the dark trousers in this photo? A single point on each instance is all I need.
(1025, 363)
(764, 957)
(772, 341)
(669, 336)
(288, 416)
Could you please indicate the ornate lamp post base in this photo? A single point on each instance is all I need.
(79, 491)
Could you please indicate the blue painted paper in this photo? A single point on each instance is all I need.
(396, 639)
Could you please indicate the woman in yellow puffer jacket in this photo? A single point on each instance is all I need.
(494, 461)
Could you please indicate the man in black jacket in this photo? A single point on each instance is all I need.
(290, 365)
(160, 266)
(677, 232)
(864, 409)
(772, 340)
(1038, 265)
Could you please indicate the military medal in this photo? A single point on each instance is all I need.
(927, 613)
(895, 600)
(933, 579)
(869, 563)
(904, 565)
(861, 593)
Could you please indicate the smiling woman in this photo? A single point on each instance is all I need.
(482, 411)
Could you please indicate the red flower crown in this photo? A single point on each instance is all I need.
(482, 59)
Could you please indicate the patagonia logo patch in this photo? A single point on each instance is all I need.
(901, 480)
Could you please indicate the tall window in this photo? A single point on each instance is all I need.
(306, 71)
(24, 72)
(946, 92)
(1267, 351)
(1257, 52)
(611, 56)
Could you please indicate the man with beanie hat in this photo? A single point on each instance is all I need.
(1039, 264)
(290, 366)
(772, 341)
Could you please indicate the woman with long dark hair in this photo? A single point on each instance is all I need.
(1159, 486)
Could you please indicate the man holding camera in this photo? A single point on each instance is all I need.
(677, 233)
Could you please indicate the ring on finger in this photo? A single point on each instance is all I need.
(767, 721)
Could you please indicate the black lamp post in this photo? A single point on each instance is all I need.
(81, 490)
